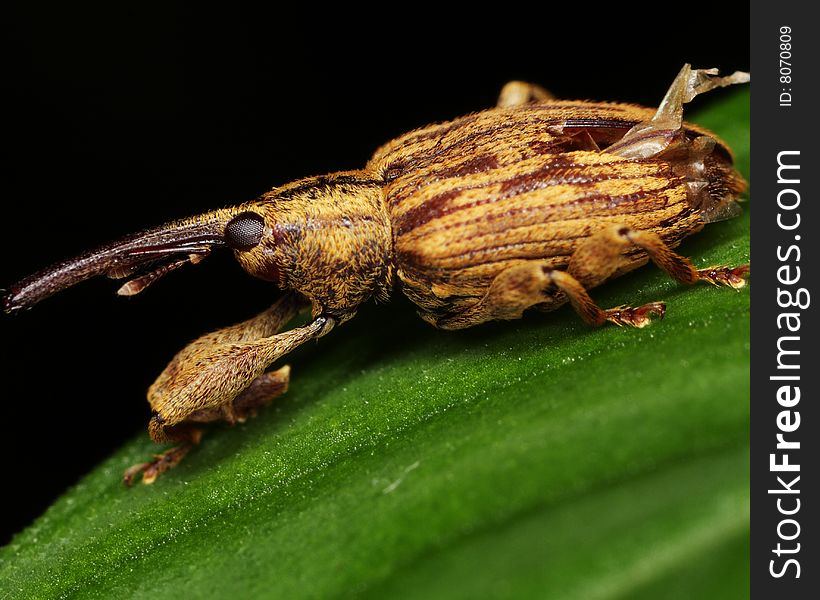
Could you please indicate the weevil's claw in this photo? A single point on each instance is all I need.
(734, 278)
(132, 472)
(636, 317)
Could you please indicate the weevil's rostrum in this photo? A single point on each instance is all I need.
(526, 205)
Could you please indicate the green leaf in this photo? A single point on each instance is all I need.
(532, 458)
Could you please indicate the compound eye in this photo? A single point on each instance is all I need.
(244, 231)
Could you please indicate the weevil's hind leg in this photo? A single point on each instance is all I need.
(602, 254)
(533, 283)
(516, 93)
(600, 257)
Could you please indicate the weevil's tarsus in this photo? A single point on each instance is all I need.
(638, 317)
(652, 137)
(187, 437)
(733, 277)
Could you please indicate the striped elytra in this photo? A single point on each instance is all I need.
(470, 198)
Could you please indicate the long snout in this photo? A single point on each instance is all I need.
(161, 249)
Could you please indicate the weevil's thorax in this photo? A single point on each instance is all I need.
(326, 237)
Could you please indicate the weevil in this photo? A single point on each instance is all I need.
(525, 205)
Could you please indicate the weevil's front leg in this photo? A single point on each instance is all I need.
(516, 93)
(533, 283)
(258, 394)
(185, 436)
(221, 376)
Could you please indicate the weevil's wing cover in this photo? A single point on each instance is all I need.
(652, 137)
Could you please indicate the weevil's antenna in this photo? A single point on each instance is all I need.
(159, 251)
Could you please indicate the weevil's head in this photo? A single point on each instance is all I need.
(144, 257)
(327, 237)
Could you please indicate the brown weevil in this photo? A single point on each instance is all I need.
(528, 204)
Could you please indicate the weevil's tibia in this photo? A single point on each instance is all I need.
(733, 277)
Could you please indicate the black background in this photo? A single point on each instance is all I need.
(118, 118)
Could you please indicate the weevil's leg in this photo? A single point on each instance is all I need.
(187, 437)
(652, 137)
(205, 381)
(516, 93)
(518, 288)
(258, 394)
(602, 254)
(639, 316)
